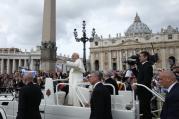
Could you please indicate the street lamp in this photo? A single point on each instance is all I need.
(84, 39)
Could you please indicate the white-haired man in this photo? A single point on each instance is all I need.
(75, 77)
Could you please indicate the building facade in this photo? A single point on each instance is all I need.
(13, 59)
(110, 53)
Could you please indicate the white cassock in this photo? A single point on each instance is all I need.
(75, 77)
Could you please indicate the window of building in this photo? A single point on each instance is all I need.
(113, 59)
(114, 66)
(96, 55)
(147, 37)
(170, 36)
(96, 65)
(96, 43)
(113, 41)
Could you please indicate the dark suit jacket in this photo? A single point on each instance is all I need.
(114, 83)
(100, 103)
(29, 101)
(170, 109)
(144, 77)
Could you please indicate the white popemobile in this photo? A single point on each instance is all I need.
(53, 106)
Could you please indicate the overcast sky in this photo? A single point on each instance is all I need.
(21, 20)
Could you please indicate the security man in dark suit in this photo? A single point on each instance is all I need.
(145, 74)
(29, 99)
(109, 80)
(100, 99)
(170, 109)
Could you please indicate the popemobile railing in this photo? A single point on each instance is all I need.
(160, 97)
(2, 113)
(79, 98)
(152, 91)
(78, 92)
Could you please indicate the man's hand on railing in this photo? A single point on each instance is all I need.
(134, 87)
(87, 104)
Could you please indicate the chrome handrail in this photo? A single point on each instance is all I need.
(77, 88)
(108, 84)
(153, 92)
(74, 91)
(3, 113)
(85, 84)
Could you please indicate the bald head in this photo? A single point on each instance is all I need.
(166, 78)
(168, 74)
(28, 78)
(108, 74)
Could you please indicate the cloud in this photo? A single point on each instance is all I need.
(21, 20)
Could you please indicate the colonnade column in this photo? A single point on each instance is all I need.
(2, 66)
(101, 61)
(118, 60)
(19, 62)
(32, 64)
(13, 65)
(8, 66)
(120, 55)
(164, 60)
(25, 63)
(126, 52)
(110, 66)
(92, 61)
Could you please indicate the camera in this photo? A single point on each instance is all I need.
(134, 59)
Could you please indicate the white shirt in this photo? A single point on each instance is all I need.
(128, 73)
(171, 86)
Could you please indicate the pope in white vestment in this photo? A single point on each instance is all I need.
(75, 77)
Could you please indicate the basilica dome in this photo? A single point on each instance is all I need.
(137, 28)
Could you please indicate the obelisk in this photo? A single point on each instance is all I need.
(48, 44)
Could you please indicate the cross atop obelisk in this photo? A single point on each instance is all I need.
(48, 45)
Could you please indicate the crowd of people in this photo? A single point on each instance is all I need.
(141, 72)
(10, 82)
